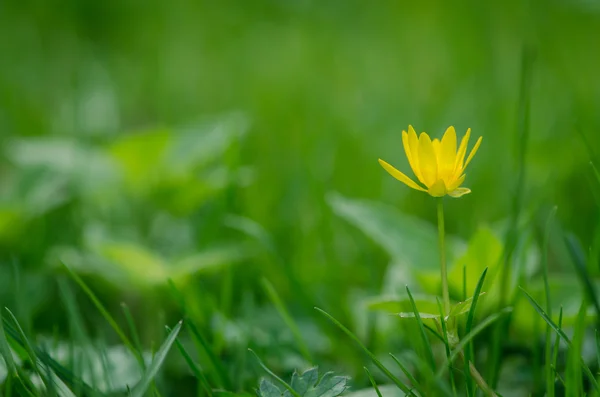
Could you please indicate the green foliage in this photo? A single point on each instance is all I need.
(377, 363)
(177, 156)
(140, 389)
(307, 384)
(402, 236)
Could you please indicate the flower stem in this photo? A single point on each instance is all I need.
(442, 246)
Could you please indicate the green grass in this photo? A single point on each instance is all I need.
(216, 163)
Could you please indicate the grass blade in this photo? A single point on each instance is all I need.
(545, 260)
(157, 362)
(411, 378)
(597, 338)
(193, 367)
(78, 333)
(556, 347)
(596, 172)
(586, 142)
(548, 347)
(287, 318)
(201, 341)
(563, 336)
(433, 332)
(134, 333)
(109, 319)
(63, 373)
(13, 372)
(446, 345)
(470, 336)
(464, 289)
(6, 352)
(30, 352)
(573, 376)
(511, 239)
(469, 352)
(283, 383)
(23, 390)
(548, 320)
(58, 386)
(373, 382)
(427, 344)
(377, 363)
(580, 267)
(222, 378)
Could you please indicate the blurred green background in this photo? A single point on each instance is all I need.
(220, 143)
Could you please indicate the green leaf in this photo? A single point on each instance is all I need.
(204, 141)
(141, 156)
(289, 389)
(302, 383)
(307, 384)
(86, 168)
(268, 389)
(402, 236)
(11, 222)
(328, 386)
(462, 307)
(211, 259)
(138, 263)
(401, 304)
(252, 229)
(155, 365)
(484, 251)
(421, 314)
(143, 267)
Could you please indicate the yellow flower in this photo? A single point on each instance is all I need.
(436, 164)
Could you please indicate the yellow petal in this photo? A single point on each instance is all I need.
(473, 151)
(400, 176)
(436, 149)
(455, 184)
(427, 160)
(438, 189)
(447, 155)
(408, 141)
(462, 151)
(461, 191)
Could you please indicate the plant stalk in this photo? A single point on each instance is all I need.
(442, 246)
